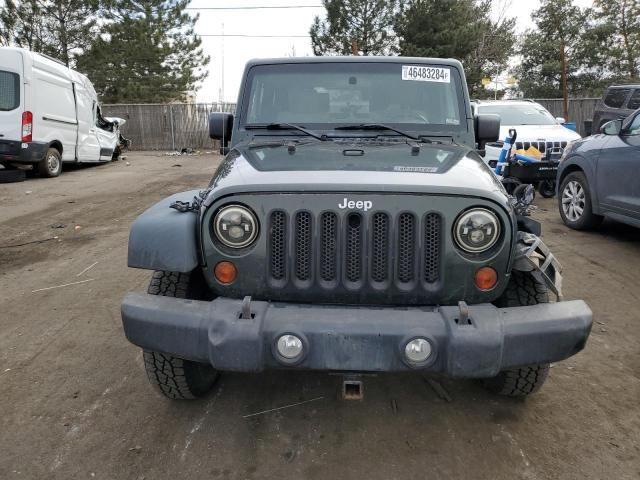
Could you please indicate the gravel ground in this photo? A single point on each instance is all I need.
(75, 402)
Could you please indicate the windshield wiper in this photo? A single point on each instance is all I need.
(286, 126)
(376, 126)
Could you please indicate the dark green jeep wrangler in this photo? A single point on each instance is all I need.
(352, 227)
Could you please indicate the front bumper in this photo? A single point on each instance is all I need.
(340, 338)
(13, 151)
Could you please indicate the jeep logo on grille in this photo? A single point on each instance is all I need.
(360, 204)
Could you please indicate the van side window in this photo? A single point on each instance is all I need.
(9, 91)
(634, 101)
(616, 96)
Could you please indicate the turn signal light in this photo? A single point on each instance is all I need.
(486, 278)
(225, 272)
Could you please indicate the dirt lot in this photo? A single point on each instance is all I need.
(75, 402)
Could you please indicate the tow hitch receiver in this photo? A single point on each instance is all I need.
(352, 387)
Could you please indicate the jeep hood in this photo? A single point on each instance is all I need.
(355, 166)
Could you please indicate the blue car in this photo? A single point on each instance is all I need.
(599, 176)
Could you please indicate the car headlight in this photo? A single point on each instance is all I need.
(235, 226)
(477, 230)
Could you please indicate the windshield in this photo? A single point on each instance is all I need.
(9, 90)
(330, 94)
(520, 114)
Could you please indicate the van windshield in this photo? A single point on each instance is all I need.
(9, 91)
(325, 95)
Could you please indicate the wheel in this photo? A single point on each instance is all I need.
(510, 184)
(575, 204)
(10, 175)
(523, 289)
(547, 188)
(175, 377)
(51, 165)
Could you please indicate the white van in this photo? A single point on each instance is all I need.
(49, 114)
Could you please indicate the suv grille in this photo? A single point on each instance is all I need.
(550, 150)
(356, 249)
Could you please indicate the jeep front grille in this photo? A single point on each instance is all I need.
(355, 249)
(549, 150)
(278, 245)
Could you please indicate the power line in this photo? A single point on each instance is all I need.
(255, 7)
(251, 36)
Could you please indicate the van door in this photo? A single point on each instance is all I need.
(88, 145)
(54, 106)
(107, 136)
(11, 95)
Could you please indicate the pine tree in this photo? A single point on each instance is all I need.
(58, 28)
(360, 27)
(461, 29)
(554, 58)
(618, 28)
(149, 53)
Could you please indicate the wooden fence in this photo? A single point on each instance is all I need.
(580, 110)
(177, 126)
(167, 127)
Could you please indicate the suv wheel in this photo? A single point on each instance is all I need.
(175, 377)
(51, 165)
(575, 204)
(523, 289)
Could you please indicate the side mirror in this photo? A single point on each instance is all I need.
(487, 127)
(561, 120)
(612, 128)
(220, 126)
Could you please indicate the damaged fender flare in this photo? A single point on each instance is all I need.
(162, 238)
(532, 255)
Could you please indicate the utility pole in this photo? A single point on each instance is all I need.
(563, 80)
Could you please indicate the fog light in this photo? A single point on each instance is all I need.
(289, 346)
(418, 350)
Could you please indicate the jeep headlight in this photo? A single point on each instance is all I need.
(235, 226)
(476, 230)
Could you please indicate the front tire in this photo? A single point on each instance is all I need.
(51, 165)
(523, 289)
(173, 377)
(574, 203)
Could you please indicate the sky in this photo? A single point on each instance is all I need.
(230, 53)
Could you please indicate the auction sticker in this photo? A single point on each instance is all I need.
(426, 74)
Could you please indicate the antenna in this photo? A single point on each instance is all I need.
(222, 59)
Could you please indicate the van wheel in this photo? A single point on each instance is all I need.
(173, 377)
(51, 165)
(523, 289)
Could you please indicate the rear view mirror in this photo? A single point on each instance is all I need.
(487, 127)
(561, 120)
(220, 127)
(612, 128)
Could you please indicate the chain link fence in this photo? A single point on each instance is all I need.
(185, 125)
